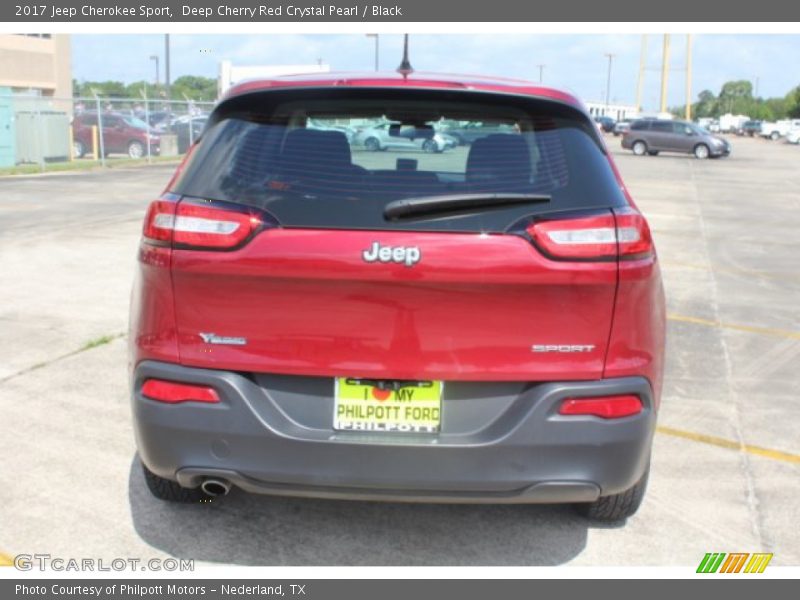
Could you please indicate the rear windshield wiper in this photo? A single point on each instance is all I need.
(424, 205)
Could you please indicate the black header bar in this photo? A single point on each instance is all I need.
(353, 11)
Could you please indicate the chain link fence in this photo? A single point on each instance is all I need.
(48, 133)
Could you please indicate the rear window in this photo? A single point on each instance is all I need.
(334, 158)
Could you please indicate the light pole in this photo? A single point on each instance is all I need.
(155, 58)
(608, 79)
(541, 72)
(377, 48)
(166, 65)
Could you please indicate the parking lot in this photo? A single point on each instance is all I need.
(726, 464)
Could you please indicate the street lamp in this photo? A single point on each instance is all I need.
(608, 80)
(155, 58)
(377, 42)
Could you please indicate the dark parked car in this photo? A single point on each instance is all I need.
(121, 134)
(620, 127)
(750, 128)
(651, 136)
(606, 123)
(158, 119)
(482, 327)
(466, 133)
(187, 135)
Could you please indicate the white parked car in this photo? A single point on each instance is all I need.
(778, 129)
(379, 138)
(793, 137)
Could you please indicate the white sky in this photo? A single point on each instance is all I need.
(575, 62)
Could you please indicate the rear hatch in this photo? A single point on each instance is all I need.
(297, 250)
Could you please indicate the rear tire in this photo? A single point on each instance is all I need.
(617, 506)
(774, 136)
(639, 148)
(171, 491)
(78, 149)
(430, 146)
(372, 144)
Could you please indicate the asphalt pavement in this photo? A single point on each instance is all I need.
(726, 462)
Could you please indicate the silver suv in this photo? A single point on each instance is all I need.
(651, 136)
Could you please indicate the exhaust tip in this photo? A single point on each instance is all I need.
(215, 487)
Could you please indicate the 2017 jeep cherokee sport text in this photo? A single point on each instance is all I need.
(313, 319)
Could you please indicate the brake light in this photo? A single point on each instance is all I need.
(194, 225)
(172, 392)
(624, 234)
(607, 407)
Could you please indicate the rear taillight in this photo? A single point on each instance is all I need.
(186, 224)
(623, 234)
(633, 235)
(172, 392)
(606, 407)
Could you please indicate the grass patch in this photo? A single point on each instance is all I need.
(85, 165)
(101, 341)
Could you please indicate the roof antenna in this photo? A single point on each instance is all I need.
(405, 69)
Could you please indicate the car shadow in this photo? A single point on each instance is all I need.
(247, 529)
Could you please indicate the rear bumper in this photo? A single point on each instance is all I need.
(525, 452)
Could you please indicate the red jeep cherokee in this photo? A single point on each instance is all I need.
(313, 319)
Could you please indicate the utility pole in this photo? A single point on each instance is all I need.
(541, 72)
(642, 65)
(155, 58)
(688, 114)
(377, 49)
(608, 79)
(664, 73)
(166, 65)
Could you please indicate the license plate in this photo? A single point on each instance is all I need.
(361, 405)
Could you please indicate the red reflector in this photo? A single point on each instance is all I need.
(607, 407)
(173, 392)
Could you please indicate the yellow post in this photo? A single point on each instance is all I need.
(95, 142)
(642, 66)
(688, 76)
(664, 73)
(71, 144)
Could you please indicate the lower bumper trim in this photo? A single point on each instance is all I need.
(548, 492)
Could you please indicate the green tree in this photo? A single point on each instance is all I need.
(105, 89)
(194, 88)
(777, 107)
(134, 90)
(736, 97)
(793, 103)
(706, 104)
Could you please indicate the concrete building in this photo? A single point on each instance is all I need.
(35, 93)
(36, 64)
(230, 74)
(615, 111)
